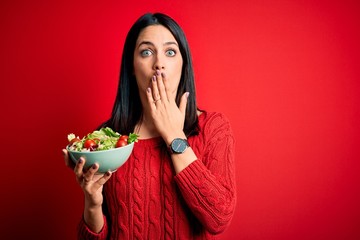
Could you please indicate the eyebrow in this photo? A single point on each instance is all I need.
(152, 44)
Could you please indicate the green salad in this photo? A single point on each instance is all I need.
(99, 140)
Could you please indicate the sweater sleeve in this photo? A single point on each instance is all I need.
(208, 184)
(85, 233)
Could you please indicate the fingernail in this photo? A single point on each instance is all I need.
(154, 78)
(81, 160)
(148, 90)
(108, 173)
(158, 72)
(94, 166)
(163, 74)
(187, 94)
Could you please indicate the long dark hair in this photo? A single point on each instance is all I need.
(127, 110)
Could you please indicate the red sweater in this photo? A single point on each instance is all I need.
(146, 200)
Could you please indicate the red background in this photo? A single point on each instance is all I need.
(286, 73)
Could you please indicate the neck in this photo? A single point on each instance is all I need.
(145, 127)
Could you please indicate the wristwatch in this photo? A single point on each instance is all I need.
(178, 146)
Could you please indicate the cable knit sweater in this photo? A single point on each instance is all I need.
(146, 200)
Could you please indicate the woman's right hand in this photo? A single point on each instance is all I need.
(91, 183)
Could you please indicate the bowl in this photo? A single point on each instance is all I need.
(108, 160)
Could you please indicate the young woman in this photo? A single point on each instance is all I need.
(179, 182)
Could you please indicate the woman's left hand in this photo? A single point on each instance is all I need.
(167, 116)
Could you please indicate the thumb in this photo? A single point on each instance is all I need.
(183, 102)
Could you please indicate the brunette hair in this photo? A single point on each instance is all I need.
(127, 110)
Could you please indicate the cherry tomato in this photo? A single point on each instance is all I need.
(121, 143)
(124, 137)
(90, 144)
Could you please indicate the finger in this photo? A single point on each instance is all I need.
(88, 176)
(78, 169)
(161, 86)
(165, 81)
(155, 90)
(150, 99)
(101, 181)
(66, 157)
(183, 102)
(68, 162)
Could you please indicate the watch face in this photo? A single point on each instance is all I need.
(179, 145)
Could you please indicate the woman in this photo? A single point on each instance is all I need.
(179, 181)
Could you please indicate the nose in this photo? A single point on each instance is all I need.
(159, 63)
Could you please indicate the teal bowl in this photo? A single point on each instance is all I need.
(108, 160)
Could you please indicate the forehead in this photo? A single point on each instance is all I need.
(155, 34)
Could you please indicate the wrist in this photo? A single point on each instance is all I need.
(91, 206)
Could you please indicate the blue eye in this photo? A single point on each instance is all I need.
(170, 53)
(145, 53)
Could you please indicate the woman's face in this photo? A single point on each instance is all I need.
(157, 49)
